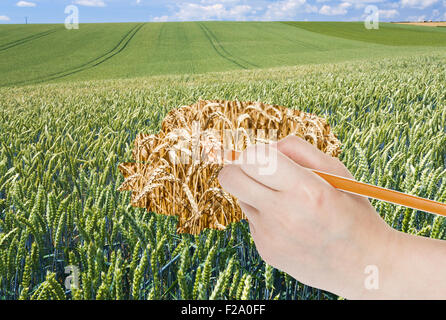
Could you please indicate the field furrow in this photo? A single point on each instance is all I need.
(120, 46)
(222, 52)
(195, 47)
(27, 39)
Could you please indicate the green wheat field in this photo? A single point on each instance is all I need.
(73, 101)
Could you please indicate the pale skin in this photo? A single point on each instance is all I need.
(324, 237)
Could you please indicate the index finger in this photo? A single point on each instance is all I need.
(309, 156)
(267, 165)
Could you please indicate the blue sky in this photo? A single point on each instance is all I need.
(52, 11)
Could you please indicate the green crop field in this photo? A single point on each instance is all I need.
(34, 54)
(92, 90)
(388, 34)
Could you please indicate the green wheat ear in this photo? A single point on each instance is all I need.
(61, 143)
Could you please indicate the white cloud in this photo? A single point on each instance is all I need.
(366, 1)
(90, 3)
(218, 11)
(161, 19)
(334, 11)
(218, 1)
(138, 1)
(278, 10)
(287, 9)
(4, 18)
(417, 18)
(363, 5)
(418, 4)
(359, 4)
(394, 5)
(391, 13)
(25, 4)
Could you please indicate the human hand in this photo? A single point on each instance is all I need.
(302, 225)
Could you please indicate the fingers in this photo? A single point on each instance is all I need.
(308, 156)
(279, 173)
(243, 187)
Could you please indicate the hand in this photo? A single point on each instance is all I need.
(302, 225)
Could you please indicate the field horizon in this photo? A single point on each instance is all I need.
(31, 54)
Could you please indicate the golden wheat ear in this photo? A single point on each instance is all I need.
(172, 177)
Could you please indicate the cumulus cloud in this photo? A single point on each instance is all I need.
(287, 9)
(394, 5)
(25, 4)
(387, 14)
(417, 18)
(161, 19)
(363, 3)
(418, 4)
(90, 3)
(217, 11)
(219, 1)
(281, 10)
(335, 10)
(4, 18)
(239, 10)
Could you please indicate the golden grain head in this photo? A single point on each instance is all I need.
(175, 172)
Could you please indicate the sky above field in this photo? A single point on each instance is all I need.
(53, 11)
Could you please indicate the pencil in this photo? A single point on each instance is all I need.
(374, 192)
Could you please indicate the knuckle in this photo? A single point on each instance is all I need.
(321, 162)
(292, 139)
(337, 163)
(289, 141)
(339, 167)
(318, 196)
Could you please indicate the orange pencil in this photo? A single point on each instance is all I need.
(371, 191)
